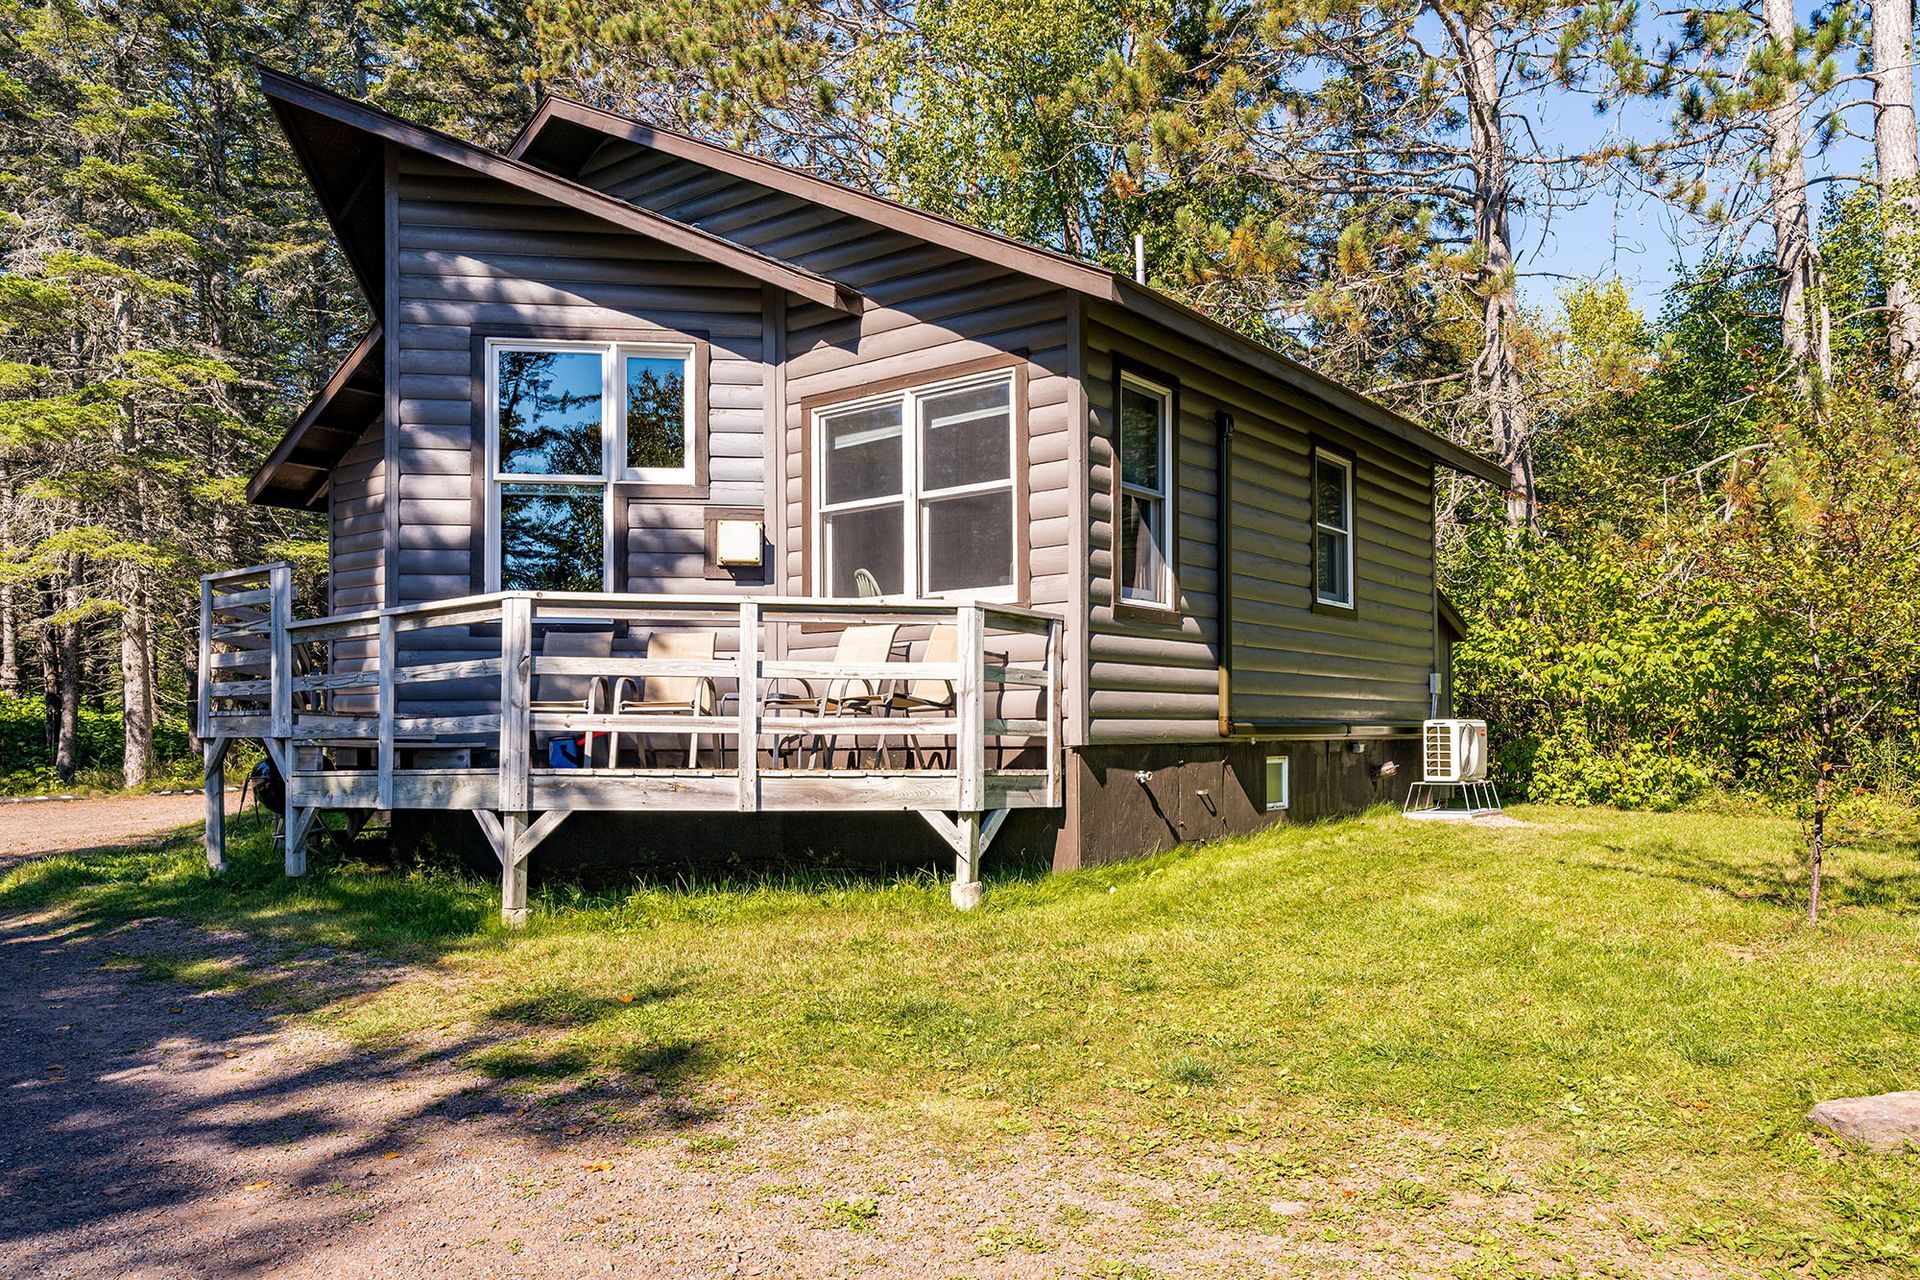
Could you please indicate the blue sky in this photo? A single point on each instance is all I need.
(1623, 234)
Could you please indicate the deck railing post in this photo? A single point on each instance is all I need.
(748, 769)
(516, 729)
(280, 669)
(388, 656)
(970, 746)
(1053, 713)
(203, 693)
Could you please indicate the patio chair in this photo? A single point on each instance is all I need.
(571, 692)
(668, 695)
(867, 644)
(929, 695)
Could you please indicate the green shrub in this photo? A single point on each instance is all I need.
(1567, 768)
(1597, 689)
(28, 762)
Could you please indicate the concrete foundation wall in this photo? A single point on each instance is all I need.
(1126, 802)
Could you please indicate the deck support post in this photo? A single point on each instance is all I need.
(300, 820)
(514, 835)
(513, 872)
(214, 753)
(969, 834)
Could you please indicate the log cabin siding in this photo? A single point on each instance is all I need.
(1158, 680)
(928, 309)
(356, 550)
(475, 259)
(356, 546)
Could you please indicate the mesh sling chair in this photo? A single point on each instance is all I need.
(868, 645)
(585, 693)
(668, 695)
(943, 645)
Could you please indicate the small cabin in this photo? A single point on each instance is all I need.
(670, 481)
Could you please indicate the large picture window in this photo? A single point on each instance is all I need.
(914, 492)
(1332, 529)
(1146, 528)
(565, 422)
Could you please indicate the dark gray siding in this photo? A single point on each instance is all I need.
(929, 308)
(356, 554)
(356, 550)
(476, 259)
(1158, 680)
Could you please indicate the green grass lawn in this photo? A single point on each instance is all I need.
(1611, 1024)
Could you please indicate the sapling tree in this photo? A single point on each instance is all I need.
(1821, 533)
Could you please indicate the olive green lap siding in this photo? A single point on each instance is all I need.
(1158, 679)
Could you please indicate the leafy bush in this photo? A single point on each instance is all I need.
(28, 762)
(1599, 690)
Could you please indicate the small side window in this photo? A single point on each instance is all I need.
(1279, 781)
(1146, 489)
(1332, 530)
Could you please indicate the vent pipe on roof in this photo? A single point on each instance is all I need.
(1139, 258)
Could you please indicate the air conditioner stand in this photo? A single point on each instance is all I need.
(1435, 800)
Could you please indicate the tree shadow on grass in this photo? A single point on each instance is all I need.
(1882, 874)
(154, 1073)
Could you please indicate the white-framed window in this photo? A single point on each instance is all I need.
(566, 421)
(1279, 782)
(913, 492)
(1332, 529)
(1146, 479)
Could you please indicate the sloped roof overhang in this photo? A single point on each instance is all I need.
(563, 134)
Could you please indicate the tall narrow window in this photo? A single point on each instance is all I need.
(1146, 527)
(913, 492)
(1332, 529)
(566, 421)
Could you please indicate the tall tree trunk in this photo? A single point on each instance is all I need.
(136, 691)
(9, 643)
(1792, 232)
(66, 743)
(1497, 371)
(1896, 150)
(9, 616)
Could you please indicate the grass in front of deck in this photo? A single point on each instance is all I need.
(1598, 1032)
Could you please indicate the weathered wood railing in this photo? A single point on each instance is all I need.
(441, 705)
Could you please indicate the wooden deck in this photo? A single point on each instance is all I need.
(446, 706)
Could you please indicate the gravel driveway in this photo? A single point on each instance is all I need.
(35, 827)
(155, 1130)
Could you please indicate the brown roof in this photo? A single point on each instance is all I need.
(334, 136)
(299, 471)
(563, 133)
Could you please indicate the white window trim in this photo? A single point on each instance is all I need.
(1323, 457)
(613, 442)
(1162, 596)
(1286, 783)
(684, 473)
(913, 496)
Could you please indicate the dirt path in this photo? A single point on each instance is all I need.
(153, 1131)
(39, 827)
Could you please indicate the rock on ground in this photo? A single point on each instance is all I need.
(1884, 1122)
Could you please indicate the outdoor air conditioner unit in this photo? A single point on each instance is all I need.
(1454, 750)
